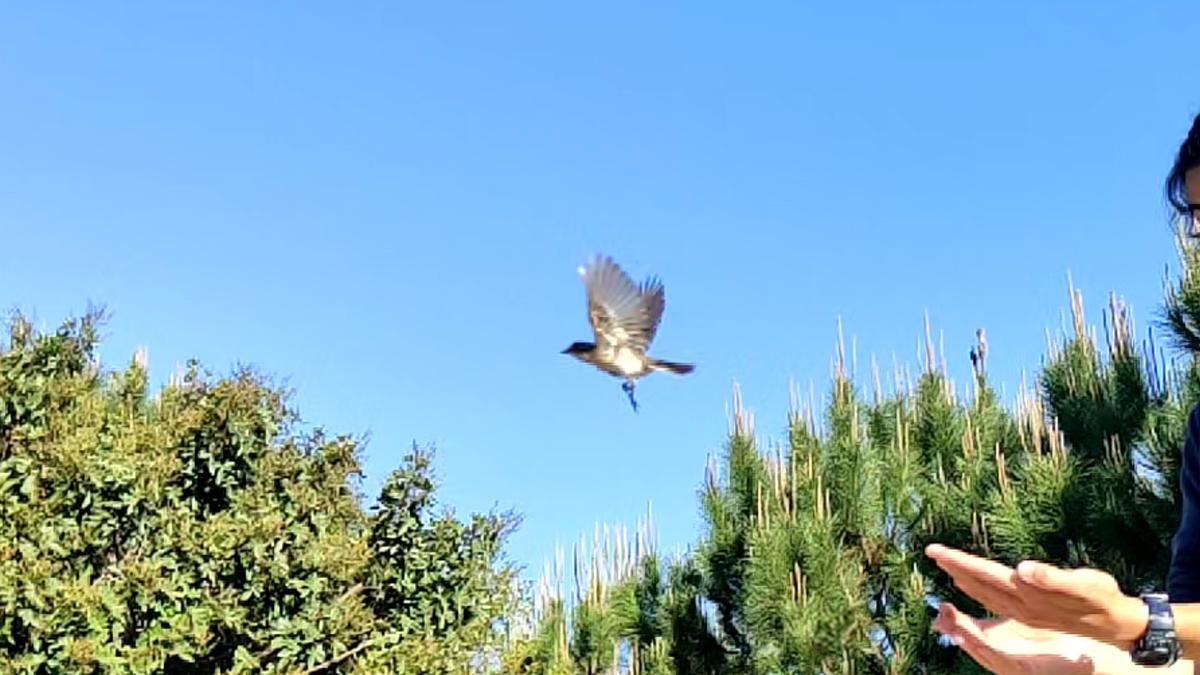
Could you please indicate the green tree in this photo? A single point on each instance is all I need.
(812, 556)
(200, 530)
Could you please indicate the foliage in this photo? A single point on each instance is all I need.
(197, 531)
(200, 530)
(812, 556)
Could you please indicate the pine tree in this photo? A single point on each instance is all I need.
(812, 561)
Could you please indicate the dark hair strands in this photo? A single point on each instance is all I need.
(1187, 159)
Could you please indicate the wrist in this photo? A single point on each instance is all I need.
(1130, 621)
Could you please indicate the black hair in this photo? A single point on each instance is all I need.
(1187, 159)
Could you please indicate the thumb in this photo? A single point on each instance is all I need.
(1046, 577)
(1082, 583)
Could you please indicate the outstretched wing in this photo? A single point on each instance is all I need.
(621, 313)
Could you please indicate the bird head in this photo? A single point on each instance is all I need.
(579, 348)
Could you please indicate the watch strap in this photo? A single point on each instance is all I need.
(1159, 645)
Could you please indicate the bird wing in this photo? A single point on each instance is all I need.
(621, 312)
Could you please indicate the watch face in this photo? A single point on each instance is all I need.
(1157, 658)
(1159, 646)
(1157, 649)
(1154, 657)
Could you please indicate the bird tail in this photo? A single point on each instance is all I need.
(670, 366)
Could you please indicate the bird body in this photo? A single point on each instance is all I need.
(624, 319)
(624, 362)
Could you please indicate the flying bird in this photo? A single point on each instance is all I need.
(624, 319)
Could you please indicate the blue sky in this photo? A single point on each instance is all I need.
(386, 205)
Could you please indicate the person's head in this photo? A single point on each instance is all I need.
(1183, 183)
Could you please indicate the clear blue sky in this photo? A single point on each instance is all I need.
(387, 206)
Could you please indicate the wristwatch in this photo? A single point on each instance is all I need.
(1158, 646)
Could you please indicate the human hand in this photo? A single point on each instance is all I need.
(1084, 602)
(1007, 646)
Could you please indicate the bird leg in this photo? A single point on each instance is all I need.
(627, 386)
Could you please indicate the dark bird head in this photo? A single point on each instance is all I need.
(579, 349)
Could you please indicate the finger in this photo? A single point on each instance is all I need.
(972, 636)
(998, 601)
(1021, 598)
(951, 619)
(998, 588)
(944, 620)
(971, 639)
(982, 655)
(960, 564)
(1085, 586)
(1055, 603)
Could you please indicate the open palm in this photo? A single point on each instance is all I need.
(1009, 646)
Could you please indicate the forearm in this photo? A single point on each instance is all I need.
(1180, 667)
(1187, 628)
(1124, 666)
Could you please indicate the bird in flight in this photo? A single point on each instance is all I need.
(624, 319)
